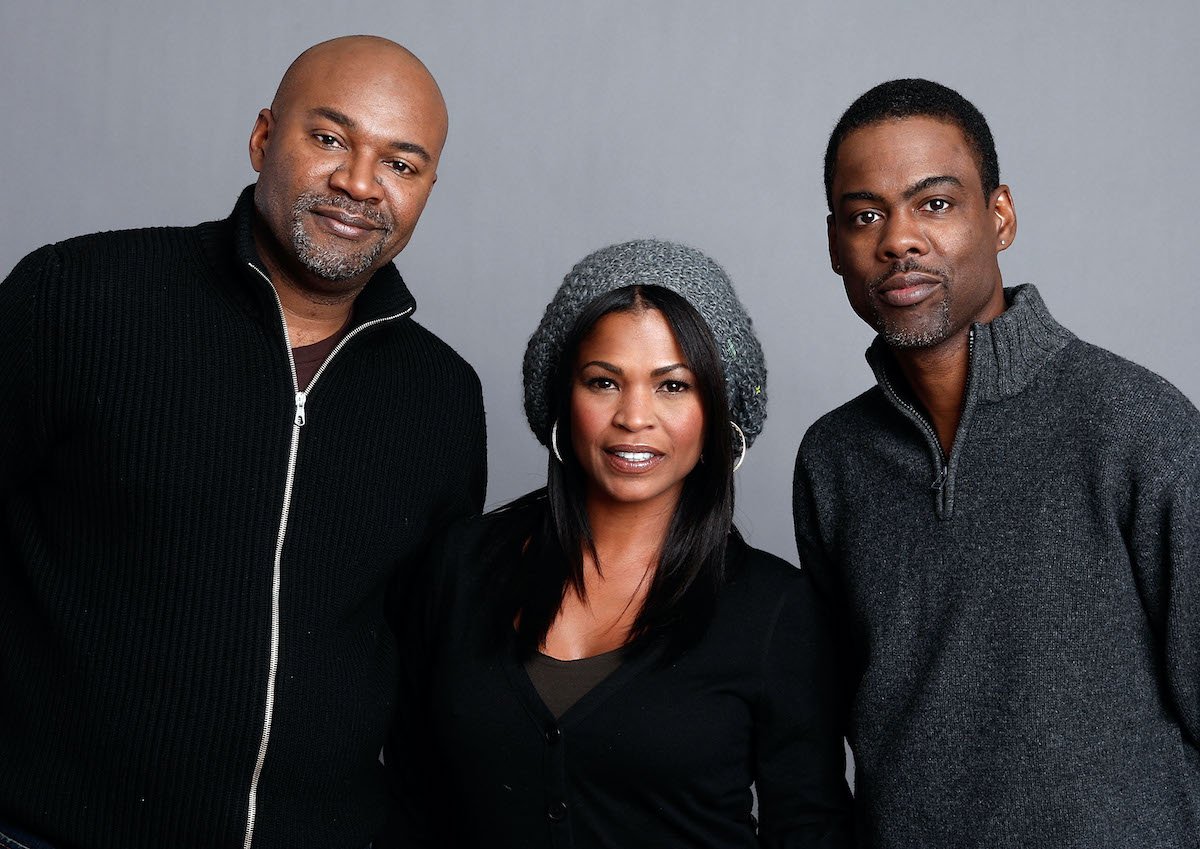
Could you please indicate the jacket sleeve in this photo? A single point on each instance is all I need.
(416, 603)
(469, 492)
(20, 440)
(476, 486)
(1164, 545)
(800, 759)
(417, 819)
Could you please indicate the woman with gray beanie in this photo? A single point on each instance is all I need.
(605, 662)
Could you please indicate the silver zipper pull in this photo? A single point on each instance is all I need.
(299, 421)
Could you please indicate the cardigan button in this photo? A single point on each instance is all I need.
(557, 811)
(553, 734)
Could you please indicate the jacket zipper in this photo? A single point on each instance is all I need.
(299, 419)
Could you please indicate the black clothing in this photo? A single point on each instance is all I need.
(561, 683)
(661, 753)
(160, 502)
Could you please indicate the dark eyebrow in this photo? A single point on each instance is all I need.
(658, 372)
(929, 182)
(602, 364)
(410, 147)
(667, 369)
(909, 193)
(349, 123)
(868, 196)
(335, 116)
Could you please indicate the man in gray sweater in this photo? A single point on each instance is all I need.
(1007, 525)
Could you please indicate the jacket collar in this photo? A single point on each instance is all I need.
(1006, 354)
(231, 249)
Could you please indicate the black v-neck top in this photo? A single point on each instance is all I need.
(660, 753)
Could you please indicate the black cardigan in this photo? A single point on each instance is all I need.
(662, 753)
(145, 436)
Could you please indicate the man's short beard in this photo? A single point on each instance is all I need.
(332, 264)
(896, 334)
(921, 337)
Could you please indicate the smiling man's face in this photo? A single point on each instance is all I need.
(347, 156)
(912, 234)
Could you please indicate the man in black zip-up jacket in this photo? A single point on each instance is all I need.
(1008, 524)
(222, 448)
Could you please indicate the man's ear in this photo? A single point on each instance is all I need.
(835, 260)
(260, 137)
(1005, 217)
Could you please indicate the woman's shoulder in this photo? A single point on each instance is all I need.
(754, 567)
(470, 560)
(768, 605)
(763, 586)
(477, 533)
(456, 540)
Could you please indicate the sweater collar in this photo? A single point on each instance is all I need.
(384, 295)
(1007, 353)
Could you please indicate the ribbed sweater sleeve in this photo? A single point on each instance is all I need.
(19, 435)
(418, 815)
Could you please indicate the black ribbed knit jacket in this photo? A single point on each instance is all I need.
(1023, 616)
(184, 568)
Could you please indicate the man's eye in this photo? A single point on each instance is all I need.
(400, 166)
(936, 205)
(326, 139)
(867, 216)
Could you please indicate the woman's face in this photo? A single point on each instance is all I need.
(637, 423)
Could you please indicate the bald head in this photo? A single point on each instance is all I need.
(346, 157)
(355, 60)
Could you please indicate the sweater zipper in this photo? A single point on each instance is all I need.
(930, 434)
(943, 475)
(299, 419)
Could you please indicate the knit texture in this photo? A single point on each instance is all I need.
(679, 268)
(1022, 622)
(145, 435)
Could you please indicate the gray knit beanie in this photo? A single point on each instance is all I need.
(684, 270)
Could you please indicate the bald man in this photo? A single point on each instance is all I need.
(222, 448)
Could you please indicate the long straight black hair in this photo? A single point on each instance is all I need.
(551, 543)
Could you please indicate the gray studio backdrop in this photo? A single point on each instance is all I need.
(577, 124)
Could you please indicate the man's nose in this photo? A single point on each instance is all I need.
(902, 236)
(359, 178)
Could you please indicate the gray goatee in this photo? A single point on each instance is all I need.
(331, 263)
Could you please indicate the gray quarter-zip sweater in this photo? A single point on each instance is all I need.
(1022, 617)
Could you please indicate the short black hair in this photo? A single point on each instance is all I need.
(913, 98)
